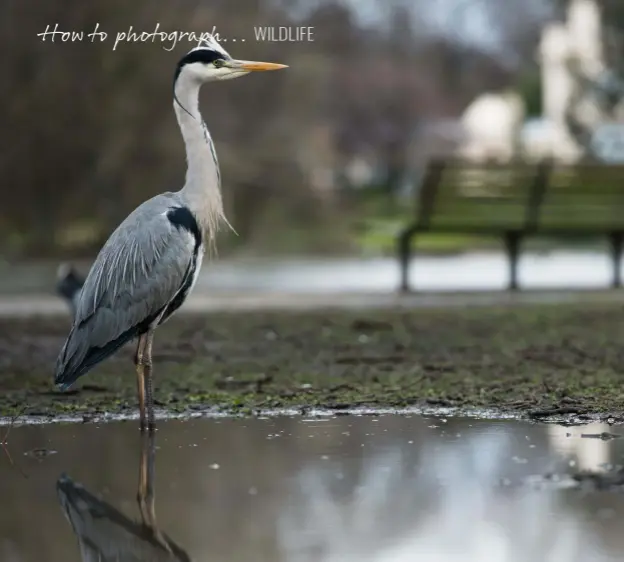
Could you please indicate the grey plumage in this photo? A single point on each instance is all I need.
(137, 274)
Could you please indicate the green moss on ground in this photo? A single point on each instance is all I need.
(515, 358)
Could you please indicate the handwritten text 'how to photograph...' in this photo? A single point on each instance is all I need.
(56, 34)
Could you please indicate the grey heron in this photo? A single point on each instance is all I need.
(149, 264)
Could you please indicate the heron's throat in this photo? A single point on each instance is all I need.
(202, 188)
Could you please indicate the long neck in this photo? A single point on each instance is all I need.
(202, 188)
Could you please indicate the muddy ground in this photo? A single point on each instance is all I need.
(533, 359)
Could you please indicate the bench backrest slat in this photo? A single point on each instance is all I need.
(584, 196)
(521, 196)
(473, 195)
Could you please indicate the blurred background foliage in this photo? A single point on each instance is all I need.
(88, 132)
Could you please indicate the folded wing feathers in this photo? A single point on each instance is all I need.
(137, 273)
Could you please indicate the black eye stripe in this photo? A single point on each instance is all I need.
(205, 56)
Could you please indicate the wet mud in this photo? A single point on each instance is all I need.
(547, 362)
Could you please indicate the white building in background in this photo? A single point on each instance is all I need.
(495, 123)
(491, 126)
(550, 135)
(577, 41)
(568, 50)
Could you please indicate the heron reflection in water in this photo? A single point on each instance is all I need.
(105, 534)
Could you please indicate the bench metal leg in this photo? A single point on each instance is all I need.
(405, 253)
(617, 238)
(512, 247)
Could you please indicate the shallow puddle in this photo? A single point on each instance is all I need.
(365, 488)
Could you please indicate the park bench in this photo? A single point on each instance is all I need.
(516, 201)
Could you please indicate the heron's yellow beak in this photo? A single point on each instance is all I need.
(253, 66)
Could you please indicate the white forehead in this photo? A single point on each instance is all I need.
(208, 41)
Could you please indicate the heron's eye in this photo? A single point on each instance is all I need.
(218, 63)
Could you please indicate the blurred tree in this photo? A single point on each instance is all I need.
(88, 132)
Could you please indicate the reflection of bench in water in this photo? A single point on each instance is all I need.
(105, 534)
(516, 201)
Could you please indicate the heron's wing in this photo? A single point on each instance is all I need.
(140, 269)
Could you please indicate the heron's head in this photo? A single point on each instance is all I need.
(209, 61)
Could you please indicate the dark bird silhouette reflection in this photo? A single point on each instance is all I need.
(105, 534)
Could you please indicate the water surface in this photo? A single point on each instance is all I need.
(471, 271)
(365, 488)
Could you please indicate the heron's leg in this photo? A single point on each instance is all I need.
(140, 370)
(149, 386)
(146, 494)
